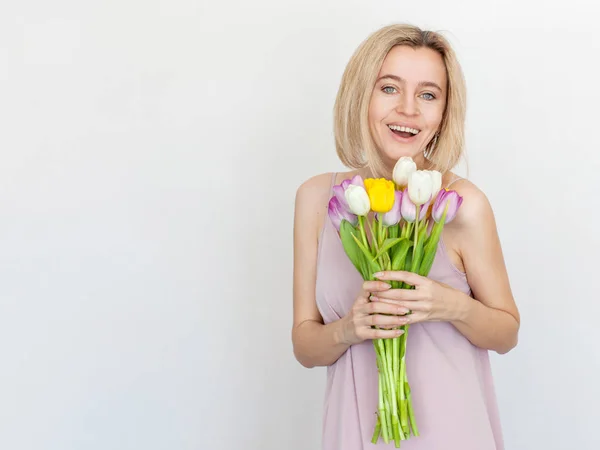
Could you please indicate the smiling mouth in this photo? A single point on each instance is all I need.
(405, 132)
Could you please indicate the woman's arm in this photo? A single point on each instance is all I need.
(492, 320)
(315, 344)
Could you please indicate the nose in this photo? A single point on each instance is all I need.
(407, 105)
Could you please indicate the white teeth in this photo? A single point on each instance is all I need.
(405, 129)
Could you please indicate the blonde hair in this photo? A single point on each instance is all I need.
(354, 144)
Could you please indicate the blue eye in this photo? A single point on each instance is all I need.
(430, 96)
(388, 87)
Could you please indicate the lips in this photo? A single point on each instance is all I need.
(404, 128)
(403, 136)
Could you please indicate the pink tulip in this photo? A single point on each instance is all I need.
(408, 210)
(356, 180)
(340, 189)
(393, 216)
(450, 198)
(337, 213)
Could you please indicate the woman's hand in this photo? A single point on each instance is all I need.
(357, 324)
(428, 301)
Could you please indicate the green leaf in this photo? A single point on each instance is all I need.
(387, 244)
(350, 247)
(372, 266)
(431, 249)
(361, 246)
(355, 250)
(401, 254)
(418, 252)
(408, 262)
(393, 231)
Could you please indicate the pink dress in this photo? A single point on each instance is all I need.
(451, 381)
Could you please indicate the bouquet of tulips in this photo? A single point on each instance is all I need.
(393, 225)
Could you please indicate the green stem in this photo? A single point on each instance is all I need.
(361, 223)
(411, 415)
(382, 378)
(389, 353)
(416, 230)
(389, 390)
(396, 362)
(382, 411)
(383, 260)
(388, 418)
(391, 398)
(377, 431)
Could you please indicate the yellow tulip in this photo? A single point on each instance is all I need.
(381, 194)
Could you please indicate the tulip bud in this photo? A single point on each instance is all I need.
(436, 182)
(402, 170)
(358, 200)
(339, 193)
(452, 200)
(337, 213)
(420, 186)
(393, 216)
(340, 189)
(356, 180)
(408, 210)
(381, 194)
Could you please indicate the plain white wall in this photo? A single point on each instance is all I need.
(150, 153)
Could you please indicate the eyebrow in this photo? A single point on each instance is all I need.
(401, 80)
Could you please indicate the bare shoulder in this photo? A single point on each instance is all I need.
(475, 207)
(314, 188)
(312, 198)
(473, 224)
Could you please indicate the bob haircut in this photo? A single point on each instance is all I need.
(354, 144)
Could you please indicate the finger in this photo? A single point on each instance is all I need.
(418, 306)
(399, 275)
(381, 320)
(379, 307)
(404, 306)
(417, 316)
(398, 294)
(374, 333)
(375, 286)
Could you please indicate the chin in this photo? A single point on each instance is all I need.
(397, 152)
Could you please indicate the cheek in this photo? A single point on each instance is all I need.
(434, 115)
(379, 108)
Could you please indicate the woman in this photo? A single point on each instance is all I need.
(399, 77)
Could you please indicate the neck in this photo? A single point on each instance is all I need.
(420, 160)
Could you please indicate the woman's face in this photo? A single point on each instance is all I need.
(407, 103)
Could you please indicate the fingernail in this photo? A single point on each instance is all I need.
(378, 274)
(399, 332)
(402, 310)
(373, 298)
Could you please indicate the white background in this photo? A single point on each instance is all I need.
(149, 157)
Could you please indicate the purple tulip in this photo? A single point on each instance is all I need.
(450, 198)
(340, 189)
(408, 210)
(356, 180)
(393, 216)
(337, 213)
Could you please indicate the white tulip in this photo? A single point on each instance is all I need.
(420, 186)
(402, 170)
(358, 200)
(436, 182)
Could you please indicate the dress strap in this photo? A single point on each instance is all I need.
(333, 175)
(454, 181)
